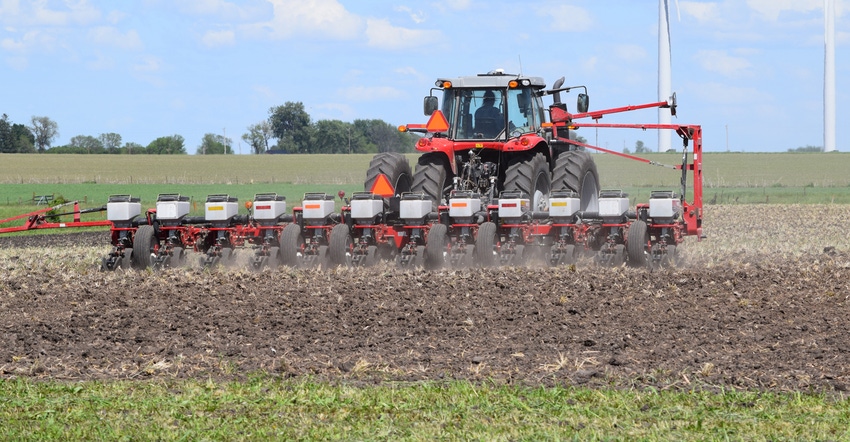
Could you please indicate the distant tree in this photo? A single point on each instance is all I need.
(332, 136)
(23, 139)
(807, 148)
(45, 131)
(640, 147)
(111, 142)
(170, 145)
(131, 148)
(7, 142)
(581, 139)
(291, 126)
(258, 136)
(626, 150)
(87, 143)
(213, 144)
(381, 136)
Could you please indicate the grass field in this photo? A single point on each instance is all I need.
(266, 408)
(728, 177)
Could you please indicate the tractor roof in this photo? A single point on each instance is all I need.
(495, 79)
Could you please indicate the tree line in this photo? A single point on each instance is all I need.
(288, 129)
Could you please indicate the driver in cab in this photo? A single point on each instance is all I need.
(489, 121)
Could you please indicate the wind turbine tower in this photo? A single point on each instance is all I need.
(665, 88)
(829, 77)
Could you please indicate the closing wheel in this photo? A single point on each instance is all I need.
(530, 175)
(340, 246)
(567, 256)
(485, 245)
(228, 256)
(575, 170)
(291, 244)
(126, 261)
(671, 258)
(145, 245)
(636, 242)
(619, 257)
(178, 257)
(394, 166)
(433, 177)
(435, 247)
(273, 260)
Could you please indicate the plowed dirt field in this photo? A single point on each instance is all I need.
(762, 303)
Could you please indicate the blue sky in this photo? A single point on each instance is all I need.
(152, 68)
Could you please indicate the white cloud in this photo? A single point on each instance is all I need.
(219, 38)
(566, 18)
(771, 9)
(417, 16)
(454, 5)
(148, 64)
(78, 12)
(240, 10)
(381, 34)
(318, 18)
(109, 36)
(702, 12)
(723, 63)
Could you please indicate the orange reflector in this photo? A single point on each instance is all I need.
(513, 84)
(458, 204)
(382, 186)
(312, 206)
(437, 122)
(402, 128)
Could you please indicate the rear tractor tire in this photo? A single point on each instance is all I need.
(433, 177)
(394, 166)
(575, 170)
(530, 175)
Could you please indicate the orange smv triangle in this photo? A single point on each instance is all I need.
(382, 186)
(437, 123)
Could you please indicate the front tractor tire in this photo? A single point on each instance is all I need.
(575, 170)
(433, 177)
(394, 166)
(530, 175)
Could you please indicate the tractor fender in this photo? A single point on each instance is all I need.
(441, 145)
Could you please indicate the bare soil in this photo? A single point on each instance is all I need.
(777, 323)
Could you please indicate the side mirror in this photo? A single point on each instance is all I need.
(583, 103)
(431, 104)
(522, 102)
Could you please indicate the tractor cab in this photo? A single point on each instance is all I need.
(493, 106)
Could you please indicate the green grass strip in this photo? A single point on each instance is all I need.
(269, 408)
